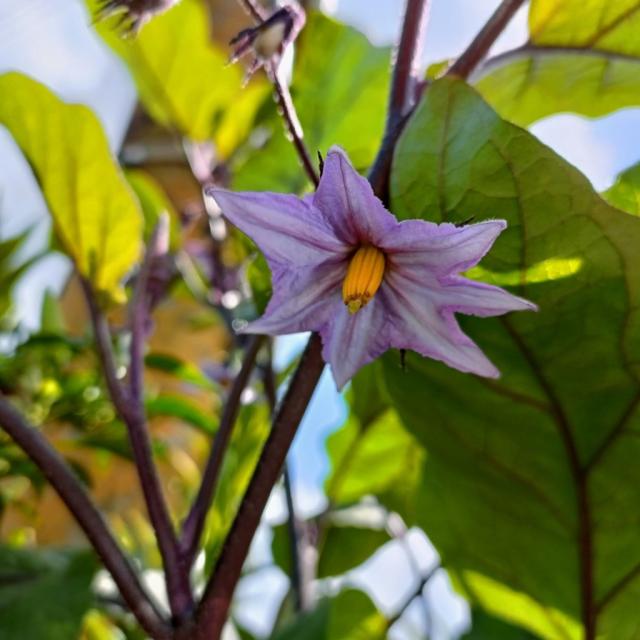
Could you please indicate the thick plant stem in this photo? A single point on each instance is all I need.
(131, 412)
(481, 44)
(66, 484)
(214, 607)
(404, 91)
(195, 521)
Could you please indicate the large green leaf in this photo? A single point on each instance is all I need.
(348, 616)
(183, 79)
(581, 57)
(531, 481)
(96, 216)
(485, 627)
(625, 193)
(44, 594)
(345, 108)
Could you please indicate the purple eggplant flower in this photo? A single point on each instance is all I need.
(344, 266)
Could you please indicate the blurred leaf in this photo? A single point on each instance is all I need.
(260, 280)
(154, 202)
(185, 371)
(96, 217)
(485, 627)
(44, 594)
(344, 548)
(532, 475)
(367, 396)
(51, 318)
(249, 435)
(377, 458)
(581, 57)
(340, 92)
(625, 193)
(348, 616)
(178, 407)
(183, 80)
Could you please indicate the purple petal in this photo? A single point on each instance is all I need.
(440, 248)
(418, 324)
(348, 203)
(304, 299)
(349, 341)
(478, 298)
(286, 228)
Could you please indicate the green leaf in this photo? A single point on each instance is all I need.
(154, 203)
(185, 371)
(581, 58)
(534, 82)
(44, 594)
(183, 80)
(348, 616)
(178, 407)
(530, 479)
(249, 435)
(382, 445)
(625, 193)
(485, 627)
(346, 547)
(96, 217)
(345, 108)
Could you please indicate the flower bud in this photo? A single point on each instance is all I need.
(267, 41)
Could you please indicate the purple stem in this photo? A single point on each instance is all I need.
(62, 479)
(195, 521)
(214, 607)
(283, 96)
(131, 411)
(404, 94)
(481, 44)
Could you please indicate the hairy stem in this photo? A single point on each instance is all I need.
(66, 484)
(481, 44)
(285, 103)
(131, 411)
(404, 91)
(195, 521)
(214, 607)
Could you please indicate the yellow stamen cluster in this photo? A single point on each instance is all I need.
(364, 277)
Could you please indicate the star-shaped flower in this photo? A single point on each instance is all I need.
(344, 266)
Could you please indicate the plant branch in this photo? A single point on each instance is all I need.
(403, 93)
(481, 44)
(131, 411)
(213, 610)
(66, 484)
(297, 577)
(417, 592)
(285, 102)
(195, 521)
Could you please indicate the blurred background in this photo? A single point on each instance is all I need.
(55, 42)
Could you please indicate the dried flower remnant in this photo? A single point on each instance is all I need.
(345, 267)
(134, 14)
(268, 40)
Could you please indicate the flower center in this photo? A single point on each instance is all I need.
(364, 277)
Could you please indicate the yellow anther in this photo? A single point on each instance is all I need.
(364, 277)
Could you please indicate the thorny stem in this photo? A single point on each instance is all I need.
(404, 91)
(195, 521)
(131, 412)
(283, 96)
(481, 44)
(214, 607)
(62, 479)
